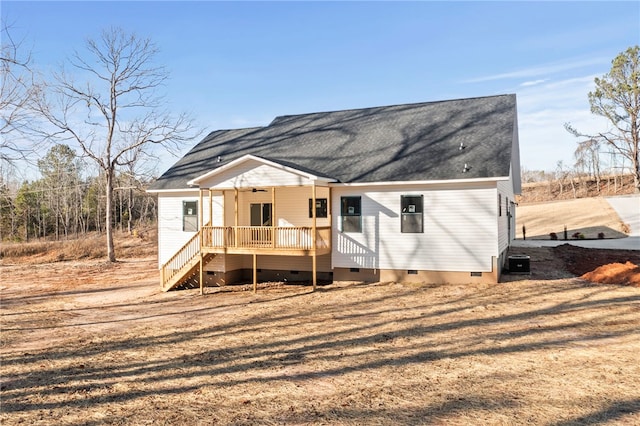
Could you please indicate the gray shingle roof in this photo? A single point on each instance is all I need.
(390, 143)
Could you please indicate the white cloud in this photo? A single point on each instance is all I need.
(532, 83)
(542, 70)
(542, 112)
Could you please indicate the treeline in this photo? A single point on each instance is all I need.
(595, 172)
(67, 202)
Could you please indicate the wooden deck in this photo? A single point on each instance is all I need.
(253, 240)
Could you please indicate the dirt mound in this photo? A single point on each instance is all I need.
(601, 266)
(615, 273)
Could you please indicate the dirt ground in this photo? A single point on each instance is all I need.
(588, 216)
(89, 343)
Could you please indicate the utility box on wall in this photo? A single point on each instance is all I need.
(519, 264)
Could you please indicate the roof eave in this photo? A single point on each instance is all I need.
(421, 182)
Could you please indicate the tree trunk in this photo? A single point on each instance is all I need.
(130, 210)
(636, 180)
(111, 254)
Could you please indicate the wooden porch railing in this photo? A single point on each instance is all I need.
(189, 251)
(278, 237)
(243, 237)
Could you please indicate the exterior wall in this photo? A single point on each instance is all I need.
(227, 269)
(505, 230)
(434, 277)
(506, 221)
(171, 237)
(460, 232)
(291, 206)
(230, 262)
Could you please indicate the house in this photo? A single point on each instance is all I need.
(417, 192)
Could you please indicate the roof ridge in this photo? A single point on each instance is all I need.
(390, 106)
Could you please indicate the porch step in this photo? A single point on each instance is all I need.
(189, 274)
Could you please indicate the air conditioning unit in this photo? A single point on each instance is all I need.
(519, 264)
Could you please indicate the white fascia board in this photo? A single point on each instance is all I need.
(422, 182)
(248, 157)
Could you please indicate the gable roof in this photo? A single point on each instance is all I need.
(252, 158)
(411, 142)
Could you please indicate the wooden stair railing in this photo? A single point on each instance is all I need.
(181, 265)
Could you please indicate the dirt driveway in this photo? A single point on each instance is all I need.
(91, 343)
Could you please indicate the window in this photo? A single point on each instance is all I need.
(321, 207)
(260, 214)
(412, 213)
(351, 212)
(189, 216)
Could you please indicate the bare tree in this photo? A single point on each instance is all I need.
(18, 91)
(116, 110)
(561, 175)
(587, 155)
(617, 98)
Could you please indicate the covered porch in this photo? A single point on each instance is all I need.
(255, 207)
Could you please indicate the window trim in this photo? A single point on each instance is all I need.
(185, 215)
(263, 207)
(345, 214)
(404, 214)
(322, 211)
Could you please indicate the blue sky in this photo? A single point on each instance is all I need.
(241, 64)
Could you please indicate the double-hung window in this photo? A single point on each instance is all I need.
(351, 214)
(412, 213)
(189, 216)
(321, 207)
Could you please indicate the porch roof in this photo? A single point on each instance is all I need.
(253, 171)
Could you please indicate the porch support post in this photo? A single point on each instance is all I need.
(201, 231)
(201, 272)
(210, 206)
(255, 273)
(235, 216)
(273, 216)
(200, 211)
(313, 235)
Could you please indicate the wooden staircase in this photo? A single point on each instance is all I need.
(183, 269)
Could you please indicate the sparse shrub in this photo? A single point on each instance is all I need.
(553, 236)
(578, 236)
(601, 235)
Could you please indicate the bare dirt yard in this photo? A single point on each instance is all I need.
(588, 216)
(89, 343)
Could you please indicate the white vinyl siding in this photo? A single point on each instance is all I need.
(460, 232)
(254, 174)
(505, 192)
(171, 237)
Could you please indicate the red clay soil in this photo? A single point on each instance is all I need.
(602, 266)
